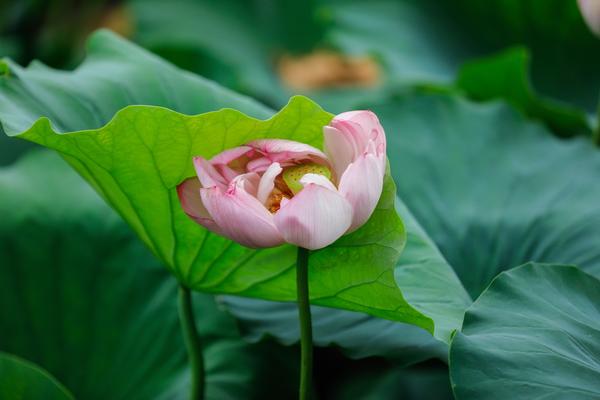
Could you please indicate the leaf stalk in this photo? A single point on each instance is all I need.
(306, 343)
(193, 344)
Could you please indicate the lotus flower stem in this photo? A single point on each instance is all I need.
(306, 345)
(192, 342)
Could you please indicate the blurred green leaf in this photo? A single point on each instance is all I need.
(427, 41)
(82, 297)
(358, 335)
(115, 74)
(505, 75)
(492, 190)
(221, 40)
(534, 333)
(22, 380)
(415, 383)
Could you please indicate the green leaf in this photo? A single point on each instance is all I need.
(139, 158)
(491, 189)
(533, 334)
(115, 74)
(505, 75)
(156, 143)
(82, 297)
(22, 380)
(427, 41)
(357, 335)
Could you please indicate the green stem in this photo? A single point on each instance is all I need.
(306, 360)
(192, 342)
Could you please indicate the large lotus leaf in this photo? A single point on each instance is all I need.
(427, 41)
(492, 190)
(533, 334)
(138, 158)
(83, 298)
(22, 380)
(235, 269)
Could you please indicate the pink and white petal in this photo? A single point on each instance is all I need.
(249, 182)
(314, 218)
(319, 180)
(191, 202)
(368, 121)
(259, 164)
(361, 126)
(241, 217)
(362, 184)
(340, 149)
(227, 156)
(282, 149)
(208, 175)
(267, 182)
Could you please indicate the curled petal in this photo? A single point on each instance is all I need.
(267, 182)
(249, 182)
(319, 180)
(241, 217)
(259, 164)
(283, 150)
(361, 185)
(189, 197)
(208, 175)
(314, 218)
(229, 155)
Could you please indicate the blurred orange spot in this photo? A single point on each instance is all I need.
(326, 69)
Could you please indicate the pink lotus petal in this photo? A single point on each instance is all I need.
(267, 182)
(340, 149)
(259, 164)
(314, 218)
(241, 217)
(249, 182)
(227, 156)
(319, 180)
(189, 197)
(590, 10)
(361, 185)
(208, 175)
(350, 135)
(281, 150)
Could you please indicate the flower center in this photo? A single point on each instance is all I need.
(287, 184)
(292, 175)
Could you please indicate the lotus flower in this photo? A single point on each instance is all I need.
(271, 191)
(590, 10)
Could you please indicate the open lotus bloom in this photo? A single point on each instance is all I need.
(273, 191)
(590, 10)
